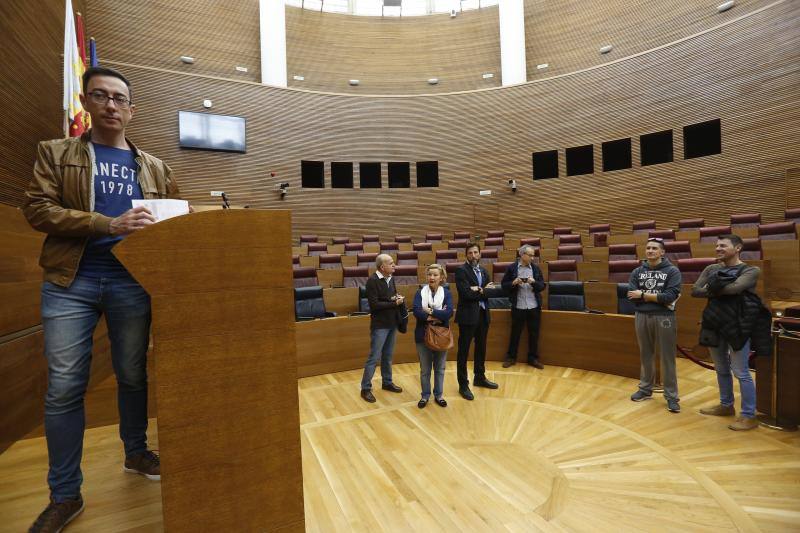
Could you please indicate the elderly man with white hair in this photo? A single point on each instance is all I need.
(523, 282)
(385, 307)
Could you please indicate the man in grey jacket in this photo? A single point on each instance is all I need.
(654, 287)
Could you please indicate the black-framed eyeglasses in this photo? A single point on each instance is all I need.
(101, 98)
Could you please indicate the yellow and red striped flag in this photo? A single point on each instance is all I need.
(73, 70)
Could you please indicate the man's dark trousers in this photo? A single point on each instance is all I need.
(532, 318)
(466, 333)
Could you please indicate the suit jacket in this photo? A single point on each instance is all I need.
(384, 312)
(468, 310)
(508, 283)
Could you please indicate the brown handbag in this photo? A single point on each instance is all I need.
(438, 338)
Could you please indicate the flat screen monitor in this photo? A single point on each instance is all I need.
(203, 131)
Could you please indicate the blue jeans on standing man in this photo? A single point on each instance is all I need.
(729, 363)
(381, 348)
(69, 318)
(438, 360)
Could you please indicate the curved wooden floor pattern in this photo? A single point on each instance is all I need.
(553, 450)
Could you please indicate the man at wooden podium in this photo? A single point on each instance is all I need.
(81, 196)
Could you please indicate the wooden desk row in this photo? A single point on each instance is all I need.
(602, 343)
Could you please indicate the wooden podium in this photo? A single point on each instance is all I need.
(226, 368)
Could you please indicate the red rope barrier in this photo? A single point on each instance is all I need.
(694, 359)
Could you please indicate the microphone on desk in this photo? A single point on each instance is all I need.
(225, 203)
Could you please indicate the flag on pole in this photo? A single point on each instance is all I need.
(92, 53)
(87, 120)
(73, 70)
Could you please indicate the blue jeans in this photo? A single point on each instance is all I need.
(381, 347)
(727, 360)
(69, 318)
(438, 360)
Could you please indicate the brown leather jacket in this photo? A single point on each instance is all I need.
(60, 201)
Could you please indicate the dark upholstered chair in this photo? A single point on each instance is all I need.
(309, 304)
(461, 235)
(330, 261)
(617, 252)
(317, 248)
(777, 231)
(366, 260)
(499, 270)
(370, 238)
(389, 247)
(599, 234)
(751, 250)
(624, 306)
(565, 296)
(407, 258)
(457, 244)
(571, 238)
(666, 234)
(745, 220)
(341, 240)
(792, 215)
(433, 237)
(620, 271)
(444, 256)
(305, 277)
(643, 226)
(677, 250)
(691, 223)
(451, 268)
(493, 243)
(402, 238)
(536, 242)
(353, 248)
(495, 233)
(561, 230)
(308, 238)
(562, 270)
(488, 256)
(422, 246)
(295, 261)
(710, 234)
(355, 276)
(692, 268)
(406, 275)
(570, 251)
(363, 301)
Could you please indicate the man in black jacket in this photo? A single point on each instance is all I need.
(384, 309)
(472, 317)
(523, 282)
(730, 355)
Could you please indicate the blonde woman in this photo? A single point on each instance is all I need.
(433, 304)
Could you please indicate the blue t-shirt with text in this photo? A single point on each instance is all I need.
(116, 183)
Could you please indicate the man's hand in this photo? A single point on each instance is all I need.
(516, 282)
(399, 300)
(131, 220)
(634, 295)
(475, 288)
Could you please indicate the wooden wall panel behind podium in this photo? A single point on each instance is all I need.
(480, 138)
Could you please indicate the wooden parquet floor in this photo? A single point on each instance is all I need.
(553, 450)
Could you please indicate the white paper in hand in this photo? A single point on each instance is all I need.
(163, 209)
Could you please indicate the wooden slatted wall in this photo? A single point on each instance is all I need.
(393, 55)
(567, 35)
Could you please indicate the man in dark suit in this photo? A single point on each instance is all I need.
(472, 317)
(523, 281)
(384, 309)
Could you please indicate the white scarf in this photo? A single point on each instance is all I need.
(435, 301)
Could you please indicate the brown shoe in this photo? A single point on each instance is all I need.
(509, 362)
(391, 387)
(57, 515)
(536, 364)
(718, 410)
(743, 424)
(146, 463)
(368, 396)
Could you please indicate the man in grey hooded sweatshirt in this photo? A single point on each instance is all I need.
(654, 287)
